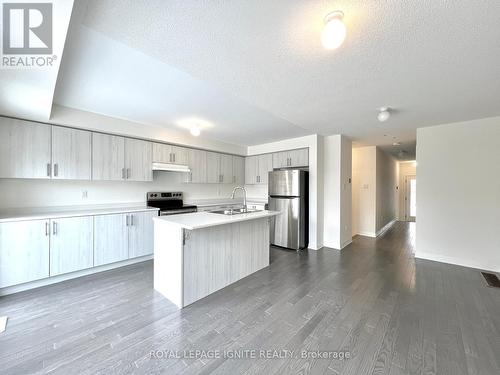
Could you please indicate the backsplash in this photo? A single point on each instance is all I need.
(42, 193)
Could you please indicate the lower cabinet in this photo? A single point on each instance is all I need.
(24, 252)
(140, 234)
(71, 244)
(110, 238)
(122, 236)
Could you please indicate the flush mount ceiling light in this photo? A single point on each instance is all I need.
(195, 131)
(334, 32)
(384, 114)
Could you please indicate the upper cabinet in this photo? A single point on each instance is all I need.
(138, 160)
(291, 158)
(71, 154)
(24, 149)
(197, 161)
(238, 170)
(219, 168)
(257, 169)
(118, 158)
(163, 153)
(108, 157)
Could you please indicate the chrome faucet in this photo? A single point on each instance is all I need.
(244, 195)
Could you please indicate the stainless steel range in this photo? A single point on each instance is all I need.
(169, 203)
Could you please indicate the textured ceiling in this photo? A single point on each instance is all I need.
(434, 61)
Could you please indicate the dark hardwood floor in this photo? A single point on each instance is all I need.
(390, 313)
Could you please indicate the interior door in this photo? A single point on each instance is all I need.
(285, 227)
(410, 198)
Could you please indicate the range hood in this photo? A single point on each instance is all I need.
(169, 167)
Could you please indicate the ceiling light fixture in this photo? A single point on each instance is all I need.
(334, 32)
(195, 131)
(384, 114)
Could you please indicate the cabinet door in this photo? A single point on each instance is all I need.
(138, 160)
(108, 157)
(280, 159)
(24, 252)
(24, 149)
(140, 237)
(71, 149)
(198, 165)
(251, 170)
(162, 153)
(238, 170)
(265, 166)
(71, 244)
(110, 239)
(213, 168)
(299, 158)
(226, 168)
(180, 155)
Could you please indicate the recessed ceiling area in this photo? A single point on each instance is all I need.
(259, 72)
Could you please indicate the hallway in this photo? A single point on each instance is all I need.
(389, 313)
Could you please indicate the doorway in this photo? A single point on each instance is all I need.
(410, 198)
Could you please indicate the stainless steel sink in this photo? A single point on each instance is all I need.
(235, 211)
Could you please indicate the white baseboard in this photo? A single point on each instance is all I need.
(457, 261)
(69, 276)
(367, 234)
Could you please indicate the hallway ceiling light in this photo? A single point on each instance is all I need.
(334, 32)
(384, 114)
(195, 131)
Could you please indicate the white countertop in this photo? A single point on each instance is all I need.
(32, 213)
(198, 220)
(214, 202)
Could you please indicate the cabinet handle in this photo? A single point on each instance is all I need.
(174, 157)
(131, 220)
(49, 169)
(126, 220)
(47, 228)
(170, 157)
(56, 169)
(128, 173)
(190, 176)
(54, 228)
(123, 173)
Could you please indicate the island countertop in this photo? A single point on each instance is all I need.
(197, 220)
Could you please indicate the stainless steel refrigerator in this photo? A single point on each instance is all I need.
(288, 193)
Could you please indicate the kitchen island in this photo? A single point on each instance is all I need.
(196, 254)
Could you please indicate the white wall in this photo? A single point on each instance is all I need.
(458, 194)
(364, 190)
(315, 187)
(405, 168)
(374, 197)
(337, 170)
(387, 180)
(42, 193)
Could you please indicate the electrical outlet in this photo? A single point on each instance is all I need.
(85, 194)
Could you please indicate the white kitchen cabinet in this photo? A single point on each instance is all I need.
(110, 238)
(251, 170)
(71, 154)
(265, 166)
(138, 160)
(197, 161)
(71, 244)
(140, 233)
(291, 158)
(108, 157)
(24, 149)
(238, 170)
(164, 153)
(213, 170)
(24, 251)
(226, 168)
